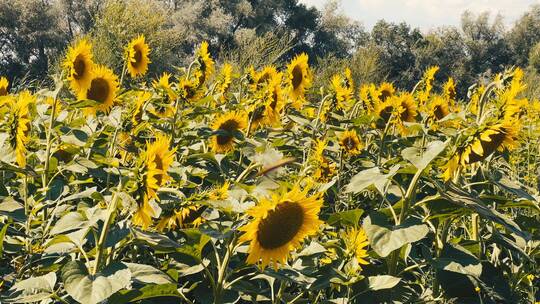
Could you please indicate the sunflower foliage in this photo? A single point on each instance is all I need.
(219, 185)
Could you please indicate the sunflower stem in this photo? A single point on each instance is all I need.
(111, 215)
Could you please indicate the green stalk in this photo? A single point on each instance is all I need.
(111, 215)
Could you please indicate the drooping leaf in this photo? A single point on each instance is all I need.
(385, 238)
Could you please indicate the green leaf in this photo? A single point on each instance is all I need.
(347, 218)
(86, 288)
(455, 258)
(33, 289)
(385, 238)
(421, 158)
(371, 177)
(146, 292)
(471, 201)
(382, 282)
(70, 221)
(147, 274)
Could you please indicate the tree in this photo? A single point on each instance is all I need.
(525, 35)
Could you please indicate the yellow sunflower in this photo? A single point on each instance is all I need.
(349, 82)
(164, 108)
(4, 83)
(187, 90)
(157, 160)
(225, 80)
(189, 216)
(298, 79)
(384, 111)
(141, 99)
(385, 91)
(102, 89)
(258, 79)
(206, 64)
(20, 125)
(226, 125)
(350, 142)
(325, 169)
(137, 57)
(407, 107)
(356, 242)
(342, 93)
(79, 65)
(280, 225)
(428, 79)
(450, 90)
(438, 108)
(493, 138)
(368, 102)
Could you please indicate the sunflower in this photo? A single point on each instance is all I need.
(450, 90)
(4, 83)
(165, 107)
(406, 107)
(342, 93)
(21, 123)
(206, 64)
(384, 111)
(79, 65)
(187, 90)
(428, 79)
(324, 169)
(355, 243)
(141, 99)
(299, 79)
(368, 102)
(438, 108)
(350, 142)
(349, 82)
(475, 98)
(137, 57)
(497, 137)
(385, 91)
(226, 125)
(225, 80)
(266, 75)
(189, 216)
(102, 89)
(219, 193)
(280, 224)
(157, 160)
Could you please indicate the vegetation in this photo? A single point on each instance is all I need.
(237, 165)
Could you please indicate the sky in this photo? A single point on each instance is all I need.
(426, 14)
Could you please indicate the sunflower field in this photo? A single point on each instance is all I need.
(218, 185)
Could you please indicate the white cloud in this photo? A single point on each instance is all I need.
(427, 14)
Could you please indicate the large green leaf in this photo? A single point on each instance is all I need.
(385, 238)
(33, 289)
(382, 282)
(86, 288)
(421, 158)
(347, 218)
(371, 177)
(147, 274)
(146, 292)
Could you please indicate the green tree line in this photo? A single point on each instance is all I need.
(34, 35)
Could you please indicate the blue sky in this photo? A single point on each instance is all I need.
(426, 14)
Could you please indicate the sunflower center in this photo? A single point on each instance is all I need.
(3, 91)
(159, 166)
(385, 94)
(79, 65)
(489, 146)
(386, 113)
(258, 114)
(349, 143)
(297, 77)
(439, 112)
(281, 225)
(273, 104)
(99, 90)
(138, 58)
(229, 126)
